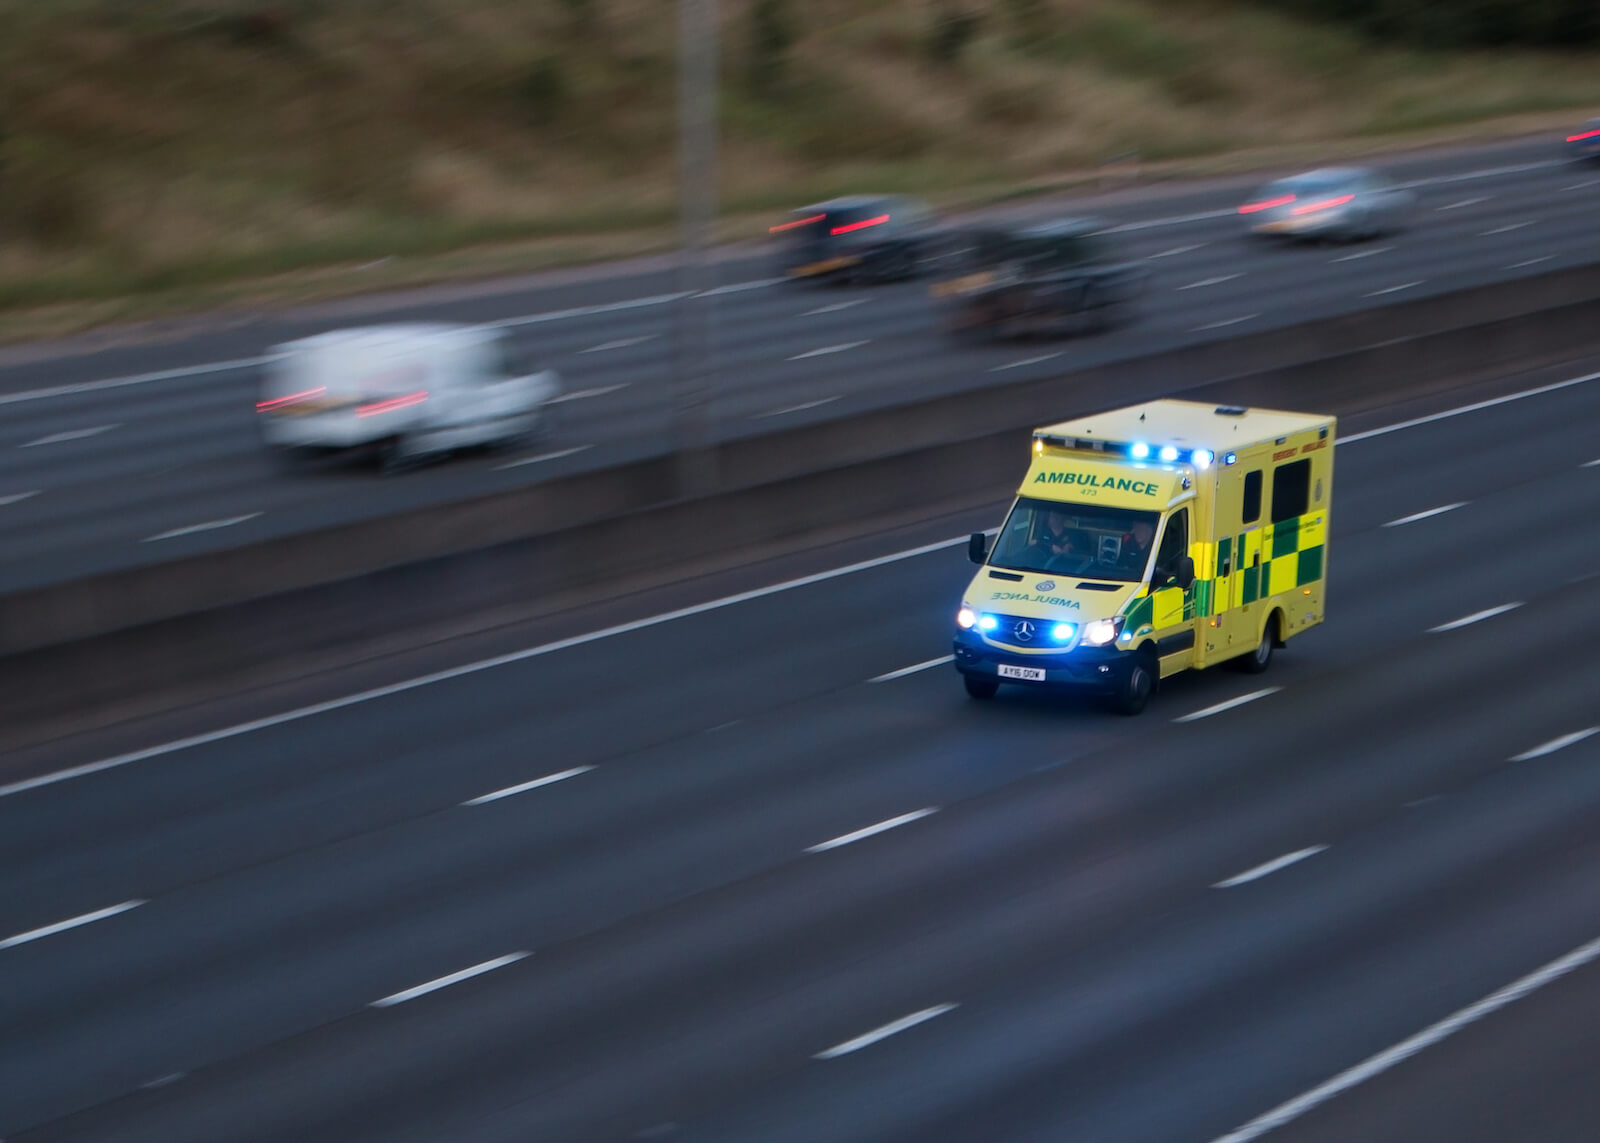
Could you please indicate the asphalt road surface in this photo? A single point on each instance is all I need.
(760, 871)
(138, 453)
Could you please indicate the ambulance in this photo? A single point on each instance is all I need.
(1147, 541)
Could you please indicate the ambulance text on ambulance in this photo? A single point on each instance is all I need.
(1089, 480)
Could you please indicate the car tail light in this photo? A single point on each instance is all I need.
(291, 399)
(782, 226)
(1583, 135)
(862, 225)
(1266, 204)
(392, 404)
(1325, 204)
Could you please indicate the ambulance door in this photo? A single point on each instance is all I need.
(1172, 607)
(1240, 497)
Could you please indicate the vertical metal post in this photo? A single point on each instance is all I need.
(697, 159)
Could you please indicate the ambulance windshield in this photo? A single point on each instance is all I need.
(1089, 540)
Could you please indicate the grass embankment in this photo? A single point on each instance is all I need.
(173, 153)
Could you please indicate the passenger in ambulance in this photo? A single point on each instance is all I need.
(1136, 547)
(1059, 547)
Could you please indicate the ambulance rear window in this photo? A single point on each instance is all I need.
(1291, 490)
(1252, 497)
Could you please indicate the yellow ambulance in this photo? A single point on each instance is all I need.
(1148, 540)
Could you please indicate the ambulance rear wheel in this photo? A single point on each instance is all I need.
(979, 687)
(1260, 659)
(1134, 693)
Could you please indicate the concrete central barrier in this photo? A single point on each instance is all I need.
(73, 646)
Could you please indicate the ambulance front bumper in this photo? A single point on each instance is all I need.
(1082, 668)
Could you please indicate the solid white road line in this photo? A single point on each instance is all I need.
(17, 497)
(1359, 254)
(1530, 262)
(1507, 228)
(70, 435)
(1229, 705)
(1025, 361)
(1582, 185)
(1491, 403)
(69, 923)
(740, 287)
(872, 830)
(911, 670)
(208, 526)
(1176, 250)
(547, 780)
(1467, 202)
(585, 311)
(464, 670)
(835, 307)
(544, 456)
(620, 343)
(867, 1039)
(800, 408)
(1485, 173)
(586, 394)
(827, 349)
(1211, 281)
(1475, 617)
(1224, 323)
(1270, 867)
(1415, 516)
(1555, 744)
(447, 981)
(1393, 289)
(133, 379)
(1376, 1065)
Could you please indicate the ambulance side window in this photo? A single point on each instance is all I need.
(1174, 546)
(1291, 490)
(1252, 497)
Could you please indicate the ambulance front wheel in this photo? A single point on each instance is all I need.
(1137, 686)
(979, 687)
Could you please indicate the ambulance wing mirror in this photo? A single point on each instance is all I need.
(978, 548)
(1185, 576)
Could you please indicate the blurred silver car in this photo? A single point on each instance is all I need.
(1584, 143)
(1343, 203)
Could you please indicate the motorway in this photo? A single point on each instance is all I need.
(759, 870)
(136, 452)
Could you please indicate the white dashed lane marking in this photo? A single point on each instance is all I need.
(544, 456)
(1507, 228)
(69, 435)
(69, 923)
(913, 669)
(867, 1039)
(1207, 712)
(620, 343)
(1359, 254)
(524, 787)
(1530, 262)
(1270, 867)
(872, 830)
(1467, 202)
(835, 307)
(1217, 281)
(800, 408)
(1392, 289)
(1555, 744)
(446, 981)
(17, 497)
(1224, 323)
(1415, 516)
(587, 394)
(1025, 362)
(827, 349)
(1475, 617)
(207, 526)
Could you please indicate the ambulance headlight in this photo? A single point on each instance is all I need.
(987, 623)
(1102, 632)
(1168, 453)
(1138, 450)
(1063, 632)
(965, 618)
(1202, 458)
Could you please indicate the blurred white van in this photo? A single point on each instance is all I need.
(402, 391)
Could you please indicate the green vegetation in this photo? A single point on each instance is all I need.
(164, 148)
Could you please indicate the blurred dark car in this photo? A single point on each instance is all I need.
(1052, 277)
(1585, 142)
(862, 238)
(1338, 203)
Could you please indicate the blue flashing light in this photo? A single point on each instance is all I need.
(1168, 453)
(1231, 458)
(1138, 450)
(1202, 457)
(1063, 632)
(987, 623)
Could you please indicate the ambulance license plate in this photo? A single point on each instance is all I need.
(1031, 674)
